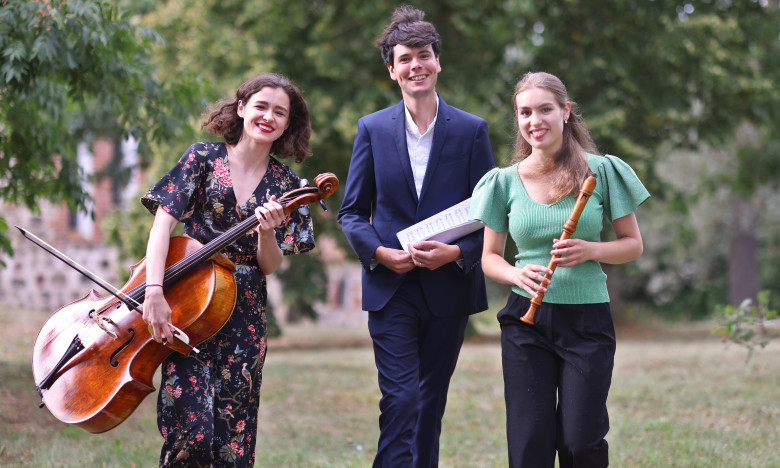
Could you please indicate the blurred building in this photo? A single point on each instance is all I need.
(32, 278)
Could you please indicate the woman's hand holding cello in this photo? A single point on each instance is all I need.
(156, 311)
(157, 314)
(270, 215)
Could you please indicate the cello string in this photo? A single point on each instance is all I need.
(230, 236)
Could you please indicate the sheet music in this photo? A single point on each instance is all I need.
(445, 226)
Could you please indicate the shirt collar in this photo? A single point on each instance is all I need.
(412, 127)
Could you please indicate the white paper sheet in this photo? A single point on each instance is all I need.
(445, 226)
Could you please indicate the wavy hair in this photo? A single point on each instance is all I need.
(408, 28)
(571, 163)
(223, 120)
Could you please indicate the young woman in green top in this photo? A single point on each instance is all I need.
(557, 372)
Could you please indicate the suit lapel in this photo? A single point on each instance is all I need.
(399, 133)
(439, 137)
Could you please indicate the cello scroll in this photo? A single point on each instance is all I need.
(326, 185)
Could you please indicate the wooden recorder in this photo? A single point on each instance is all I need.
(568, 230)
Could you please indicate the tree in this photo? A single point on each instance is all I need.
(327, 48)
(72, 69)
(661, 83)
(663, 76)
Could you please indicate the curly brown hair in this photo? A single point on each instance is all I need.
(408, 28)
(572, 166)
(223, 120)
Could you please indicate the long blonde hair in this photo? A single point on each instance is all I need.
(571, 164)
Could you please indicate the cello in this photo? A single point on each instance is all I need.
(94, 359)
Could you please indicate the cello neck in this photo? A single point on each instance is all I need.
(326, 185)
(183, 266)
(180, 268)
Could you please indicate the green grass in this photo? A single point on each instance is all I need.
(674, 402)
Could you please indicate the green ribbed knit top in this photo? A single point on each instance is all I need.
(501, 202)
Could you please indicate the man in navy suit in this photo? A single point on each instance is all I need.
(411, 161)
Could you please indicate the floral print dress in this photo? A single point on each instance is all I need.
(208, 403)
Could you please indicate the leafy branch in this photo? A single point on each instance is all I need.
(748, 325)
(70, 69)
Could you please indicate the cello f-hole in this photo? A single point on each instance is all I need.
(113, 361)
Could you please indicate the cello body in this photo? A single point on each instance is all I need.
(101, 385)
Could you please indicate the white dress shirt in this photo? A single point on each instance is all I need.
(419, 146)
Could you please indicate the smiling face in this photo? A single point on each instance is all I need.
(541, 119)
(266, 115)
(415, 69)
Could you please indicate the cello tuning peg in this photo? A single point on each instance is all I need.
(304, 210)
(323, 205)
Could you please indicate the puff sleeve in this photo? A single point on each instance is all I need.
(174, 192)
(622, 191)
(489, 201)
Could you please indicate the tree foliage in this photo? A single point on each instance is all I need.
(71, 69)
(653, 73)
(668, 85)
(654, 78)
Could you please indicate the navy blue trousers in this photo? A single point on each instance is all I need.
(415, 355)
(557, 375)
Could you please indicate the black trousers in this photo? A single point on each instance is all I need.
(557, 375)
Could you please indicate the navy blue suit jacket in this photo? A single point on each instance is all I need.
(380, 199)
